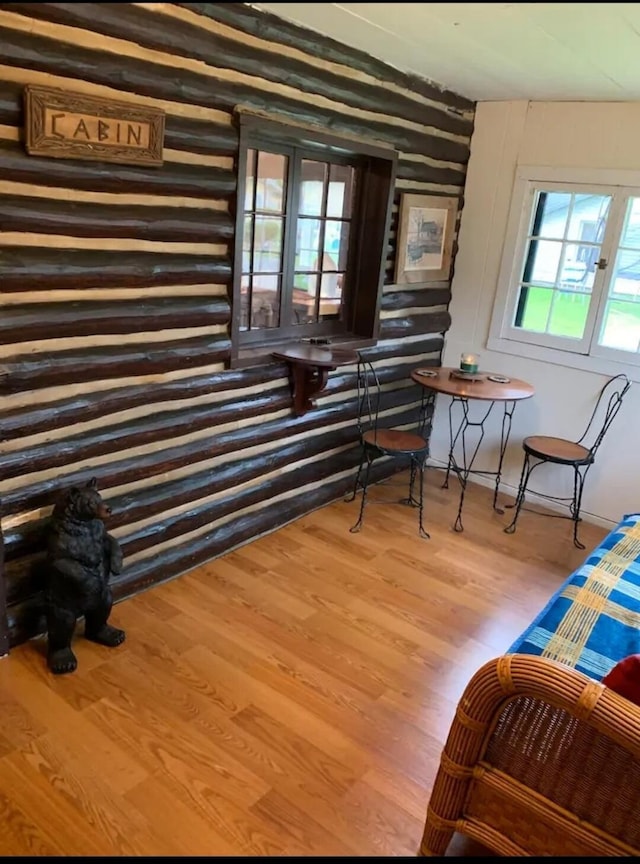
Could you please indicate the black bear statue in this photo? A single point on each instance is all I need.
(81, 558)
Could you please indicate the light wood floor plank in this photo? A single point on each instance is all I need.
(289, 698)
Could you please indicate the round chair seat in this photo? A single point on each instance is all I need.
(557, 449)
(395, 440)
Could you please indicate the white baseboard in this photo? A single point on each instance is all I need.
(531, 497)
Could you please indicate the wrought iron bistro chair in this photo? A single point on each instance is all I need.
(381, 439)
(579, 454)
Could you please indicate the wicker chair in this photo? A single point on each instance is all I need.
(540, 760)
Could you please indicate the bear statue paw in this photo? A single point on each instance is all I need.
(62, 661)
(106, 635)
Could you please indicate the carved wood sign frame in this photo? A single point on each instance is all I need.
(74, 126)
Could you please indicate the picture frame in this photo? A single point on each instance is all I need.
(426, 228)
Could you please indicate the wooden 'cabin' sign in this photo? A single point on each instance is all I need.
(73, 126)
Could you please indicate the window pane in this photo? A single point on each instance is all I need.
(246, 244)
(307, 244)
(622, 311)
(631, 230)
(551, 213)
(568, 314)
(251, 179)
(621, 325)
(313, 180)
(340, 197)
(330, 309)
(336, 245)
(560, 313)
(305, 290)
(588, 216)
(265, 302)
(331, 294)
(576, 273)
(621, 321)
(543, 262)
(627, 266)
(267, 254)
(625, 277)
(534, 307)
(270, 192)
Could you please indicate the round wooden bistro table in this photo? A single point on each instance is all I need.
(486, 387)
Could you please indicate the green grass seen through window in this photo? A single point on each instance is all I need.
(568, 315)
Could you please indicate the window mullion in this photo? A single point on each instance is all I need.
(290, 234)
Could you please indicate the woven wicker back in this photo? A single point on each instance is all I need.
(570, 763)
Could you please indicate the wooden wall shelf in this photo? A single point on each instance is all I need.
(309, 367)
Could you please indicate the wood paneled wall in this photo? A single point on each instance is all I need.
(115, 283)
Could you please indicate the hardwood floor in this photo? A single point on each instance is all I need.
(289, 698)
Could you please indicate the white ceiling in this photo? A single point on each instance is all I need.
(493, 51)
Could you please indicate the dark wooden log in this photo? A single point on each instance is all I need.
(271, 28)
(26, 620)
(156, 500)
(173, 179)
(399, 373)
(424, 173)
(11, 104)
(26, 268)
(47, 416)
(54, 369)
(261, 493)
(90, 318)
(152, 429)
(25, 576)
(396, 328)
(418, 298)
(419, 348)
(28, 50)
(20, 542)
(188, 40)
(80, 219)
(316, 440)
(140, 468)
(129, 470)
(200, 136)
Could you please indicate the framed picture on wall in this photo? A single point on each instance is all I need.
(426, 228)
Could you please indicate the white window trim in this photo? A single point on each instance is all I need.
(601, 360)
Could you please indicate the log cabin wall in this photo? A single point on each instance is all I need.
(116, 279)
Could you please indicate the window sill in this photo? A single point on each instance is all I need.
(556, 357)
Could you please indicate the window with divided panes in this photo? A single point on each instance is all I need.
(313, 217)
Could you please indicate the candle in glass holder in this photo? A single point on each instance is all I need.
(469, 362)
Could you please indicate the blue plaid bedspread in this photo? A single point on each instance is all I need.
(593, 619)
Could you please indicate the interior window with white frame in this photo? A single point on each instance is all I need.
(570, 278)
